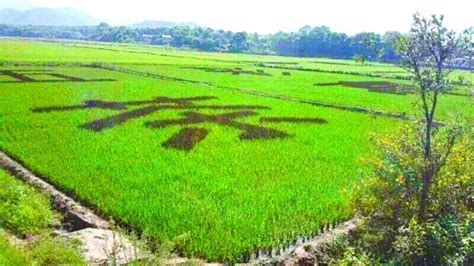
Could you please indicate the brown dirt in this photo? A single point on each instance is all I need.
(186, 139)
(291, 119)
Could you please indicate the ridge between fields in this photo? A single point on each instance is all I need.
(359, 109)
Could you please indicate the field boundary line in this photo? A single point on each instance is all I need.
(359, 109)
(148, 52)
(304, 252)
(257, 64)
(61, 201)
(342, 72)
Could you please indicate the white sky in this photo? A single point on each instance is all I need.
(349, 16)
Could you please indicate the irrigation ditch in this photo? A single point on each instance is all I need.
(100, 241)
(79, 217)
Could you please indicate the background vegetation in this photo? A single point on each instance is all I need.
(307, 42)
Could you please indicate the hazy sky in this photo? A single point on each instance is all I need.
(349, 16)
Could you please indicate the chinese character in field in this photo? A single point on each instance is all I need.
(189, 135)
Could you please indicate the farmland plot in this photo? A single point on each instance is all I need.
(322, 87)
(176, 147)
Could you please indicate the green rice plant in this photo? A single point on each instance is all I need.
(242, 176)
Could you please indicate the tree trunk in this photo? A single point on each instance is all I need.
(427, 169)
(424, 193)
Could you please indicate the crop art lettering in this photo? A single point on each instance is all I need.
(25, 75)
(190, 135)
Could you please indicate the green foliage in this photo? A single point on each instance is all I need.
(390, 201)
(25, 211)
(448, 240)
(11, 256)
(408, 245)
(317, 41)
(22, 210)
(226, 196)
(359, 59)
(41, 250)
(417, 202)
(350, 258)
(46, 250)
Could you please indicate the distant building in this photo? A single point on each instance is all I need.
(166, 38)
(147, 38)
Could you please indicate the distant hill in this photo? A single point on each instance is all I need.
(161, 24)
(47, 17)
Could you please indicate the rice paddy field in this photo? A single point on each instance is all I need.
(220, 153)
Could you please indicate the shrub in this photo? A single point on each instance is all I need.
(392, 230)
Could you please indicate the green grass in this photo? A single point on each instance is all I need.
(226, 196)
(24, 211)
(10, 255)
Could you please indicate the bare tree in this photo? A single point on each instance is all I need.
(426, 52)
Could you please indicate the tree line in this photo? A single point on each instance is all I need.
(307, 42)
